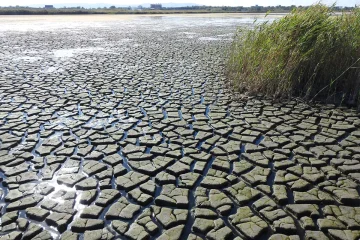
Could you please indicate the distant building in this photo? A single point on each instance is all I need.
(49, 6)
(140, 7)
(156, 6)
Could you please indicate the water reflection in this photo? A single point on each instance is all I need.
(79, 22)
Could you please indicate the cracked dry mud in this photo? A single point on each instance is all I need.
(124, 130)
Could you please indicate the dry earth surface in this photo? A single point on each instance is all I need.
(119, 127)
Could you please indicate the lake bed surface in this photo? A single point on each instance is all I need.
(121, 127)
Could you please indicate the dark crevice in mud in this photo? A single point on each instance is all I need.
(271, 178)
(259, 139)
(191, 218)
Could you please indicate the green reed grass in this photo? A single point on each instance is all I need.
(310, 53)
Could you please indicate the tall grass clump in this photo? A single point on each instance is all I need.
(311, 53)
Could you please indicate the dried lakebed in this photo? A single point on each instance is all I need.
(121, 129)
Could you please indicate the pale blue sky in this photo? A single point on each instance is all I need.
(202, 2)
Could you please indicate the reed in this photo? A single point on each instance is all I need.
(311, 53)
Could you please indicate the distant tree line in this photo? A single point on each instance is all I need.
(19, 10)
(252, 9)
